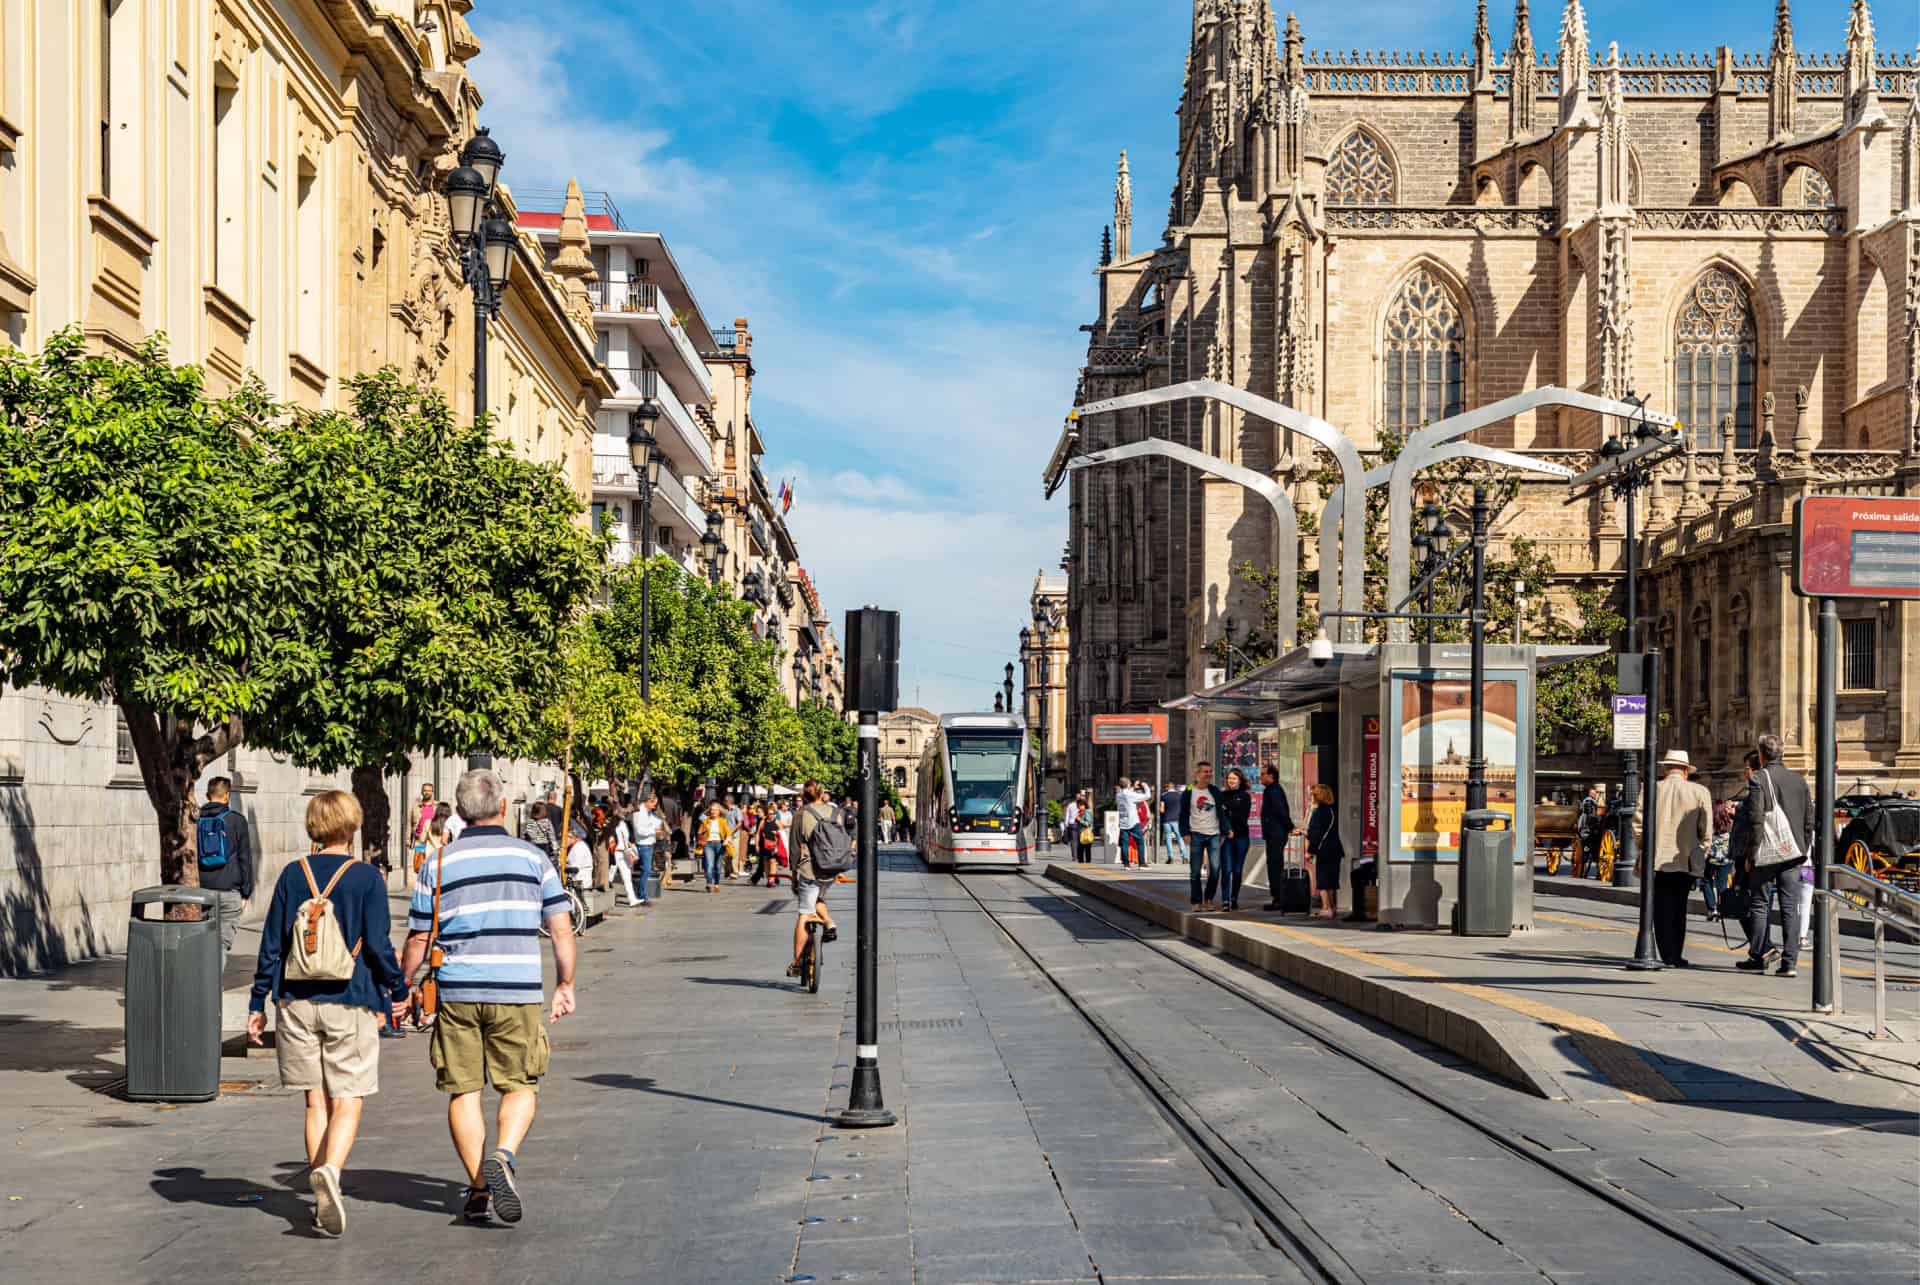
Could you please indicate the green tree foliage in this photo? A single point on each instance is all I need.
(448, 569)
(148, 557)
(833, 745)
(1570, 701)
(721, 679)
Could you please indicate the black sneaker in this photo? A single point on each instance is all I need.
(475, 1210)
(832, 934)
(1751, 965)
(497, 1173)
(1786, 970)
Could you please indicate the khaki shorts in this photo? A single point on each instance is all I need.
(331, 1047)
(504, 1044)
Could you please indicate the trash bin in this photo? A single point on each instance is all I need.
(173, 997)
(1485, 904)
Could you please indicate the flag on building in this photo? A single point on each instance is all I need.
(786, 497)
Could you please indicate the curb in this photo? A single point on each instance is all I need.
(1485, 1042)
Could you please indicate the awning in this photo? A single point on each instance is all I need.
(1295, 680)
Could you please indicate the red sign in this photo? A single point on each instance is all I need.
(1370, 774)
(1856, 546)
(1129, 729)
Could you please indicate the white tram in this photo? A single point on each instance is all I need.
(972, 807)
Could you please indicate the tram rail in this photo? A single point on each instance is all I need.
(1278, 1220)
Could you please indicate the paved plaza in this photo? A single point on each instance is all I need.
(682, 1133)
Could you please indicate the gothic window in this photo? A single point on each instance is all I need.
(1425, 353)
(1815, 192)
(1713, 359)
(1359, 172)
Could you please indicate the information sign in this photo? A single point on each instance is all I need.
(1629, 722)
(1856, 546)
(1129, 729)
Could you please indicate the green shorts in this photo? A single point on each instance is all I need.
(505, 1044)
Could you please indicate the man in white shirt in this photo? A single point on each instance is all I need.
(645, 825)
(1133, 839)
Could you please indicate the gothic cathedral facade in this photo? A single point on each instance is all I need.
(1382, 240)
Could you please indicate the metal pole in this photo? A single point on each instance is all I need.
(646, 587)
(1644, 959)
(1153, 808)
(476, 269)
(1826, 751)
(1477, 633)
(1626, 865)
(865, 1109)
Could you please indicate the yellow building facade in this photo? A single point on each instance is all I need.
(259, 181)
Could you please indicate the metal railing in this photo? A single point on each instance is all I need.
(1883, 903)
(644, 380)
(726, 338)
(553, 200)
(624, 296)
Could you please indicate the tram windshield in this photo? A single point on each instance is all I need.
(986, 776)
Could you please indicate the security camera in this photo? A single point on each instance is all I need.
(1321, 649)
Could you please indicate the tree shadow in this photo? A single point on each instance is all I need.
(37, 1044)
(646, 1084)
(31, 938)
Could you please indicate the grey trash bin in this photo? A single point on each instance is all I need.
(173, 997)
(1485, 905)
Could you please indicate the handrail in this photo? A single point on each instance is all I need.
(1879, 901)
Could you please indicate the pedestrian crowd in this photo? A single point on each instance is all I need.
(1210, 827)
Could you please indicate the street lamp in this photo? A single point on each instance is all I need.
(644, 451)
(1006, 689)
(715, 548)
(1043, 666)
(1519, 610)
(484, 240)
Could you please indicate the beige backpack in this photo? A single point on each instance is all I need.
(319, 951)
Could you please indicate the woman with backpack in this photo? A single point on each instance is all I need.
(326, 957)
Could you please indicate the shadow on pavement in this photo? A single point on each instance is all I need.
(751, 983)
(646, 1084)
(287, 1196)
(36, 1044)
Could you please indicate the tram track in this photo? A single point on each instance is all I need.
(1278, 1219)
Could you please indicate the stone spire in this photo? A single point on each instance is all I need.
(1728, 492)
(1521, 69)
(1574, 61)
(1783, 95)
(1802, 430)
(1692, 505)
(1763, 470)
(1859, 91)
(1615, 157)
(1123, 211)
(573, 265)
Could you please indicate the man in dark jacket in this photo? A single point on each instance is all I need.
(1773, 783)
(223, 849)
(1276, 827)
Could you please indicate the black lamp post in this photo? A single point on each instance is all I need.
(998, 707)
(644, 451)
(1006, 688)
(1043, 665)
(1626, 868)
(1477, 636)
(484, 241)
(715, 548)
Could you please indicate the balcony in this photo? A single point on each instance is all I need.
(685, 443)
(642, 305)
(762, 538)
(672, 505)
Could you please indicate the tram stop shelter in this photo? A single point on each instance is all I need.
(1385, 726)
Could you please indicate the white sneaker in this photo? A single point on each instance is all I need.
(329, 1212)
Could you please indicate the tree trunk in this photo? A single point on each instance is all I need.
(171, 756)
(376, 826)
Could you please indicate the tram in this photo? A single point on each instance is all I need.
(972, 807)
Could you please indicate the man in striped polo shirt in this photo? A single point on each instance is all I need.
(481, 901)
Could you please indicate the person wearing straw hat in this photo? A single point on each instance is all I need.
(1683, 827)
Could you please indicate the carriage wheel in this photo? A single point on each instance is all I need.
(1861, 858)
(1606, 857)
(1553, 858)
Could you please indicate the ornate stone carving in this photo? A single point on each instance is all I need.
(1709, 218)
(1913, 343)
(1360, 171)
(1613, 298)
(1539, 221)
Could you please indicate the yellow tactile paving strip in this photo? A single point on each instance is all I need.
(1613, 1057)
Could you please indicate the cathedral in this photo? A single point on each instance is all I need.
(1385, 239)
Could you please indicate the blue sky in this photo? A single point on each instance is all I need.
(906, 197)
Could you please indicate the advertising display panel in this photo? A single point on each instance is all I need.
(1425, 796)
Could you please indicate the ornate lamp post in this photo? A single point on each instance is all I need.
(484, 240)
(644, 451)
(1042, 631)
(715, 548)
(1006, 689)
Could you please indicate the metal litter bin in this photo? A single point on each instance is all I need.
(1485, 905)
(173, 997)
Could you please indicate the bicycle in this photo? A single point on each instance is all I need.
(576, 910)
(811, 958)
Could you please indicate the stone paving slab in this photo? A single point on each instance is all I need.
(1553, 1011)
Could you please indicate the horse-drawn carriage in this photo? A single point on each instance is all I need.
(1556, 837)
(1882, 839)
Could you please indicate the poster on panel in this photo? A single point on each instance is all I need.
(1429, 722)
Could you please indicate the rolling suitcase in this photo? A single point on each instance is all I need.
(1296, 891)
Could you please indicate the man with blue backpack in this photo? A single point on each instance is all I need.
(223, 849)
